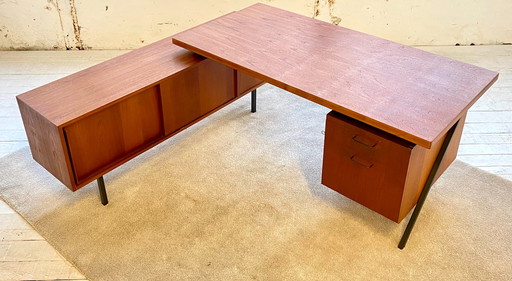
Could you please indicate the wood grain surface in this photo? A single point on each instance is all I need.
(46, 143)
(404, 91)
(378, 170)
(82, 126)
(246, 83)
(21, 71)
(89, 90)
(121, 130)
(194, 92)
(366, 165)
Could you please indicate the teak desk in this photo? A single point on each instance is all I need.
(396, 123)
(397, 112)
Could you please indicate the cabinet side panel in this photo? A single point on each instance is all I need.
(422, 160)
(46, 144)
(451, 154)
(453, 148)
(246, 83)
(415, 180)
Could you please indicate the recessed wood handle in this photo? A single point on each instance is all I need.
(354, 138)
(359, 163)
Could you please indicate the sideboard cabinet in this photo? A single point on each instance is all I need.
(86, 124)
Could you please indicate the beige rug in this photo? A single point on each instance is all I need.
(238, 197)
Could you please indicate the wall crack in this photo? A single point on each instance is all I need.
(56, 4)
(76, 26)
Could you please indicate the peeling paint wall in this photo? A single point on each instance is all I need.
(115, 24)
(76, 26)
(30, 25)
(430, 22)
(130, 24)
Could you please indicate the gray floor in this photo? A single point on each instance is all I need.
(25, 255)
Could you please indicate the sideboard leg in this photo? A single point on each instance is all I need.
(253, 100)
(103, 192)
(426, 188)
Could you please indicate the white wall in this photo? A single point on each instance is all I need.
(114, 24)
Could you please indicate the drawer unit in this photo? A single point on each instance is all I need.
(378, 170)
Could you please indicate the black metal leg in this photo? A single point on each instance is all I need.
(253, 101)
(103, 192)
(426, 188)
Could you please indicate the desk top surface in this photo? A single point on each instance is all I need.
(407, 92)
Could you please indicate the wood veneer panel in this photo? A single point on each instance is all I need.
(453, 148)
(91, 89)
(398, 172)
(407, 92)
(365, 164)
(126, 157)
(46, 143)
(246, 83)
(46, 110)
(422, 160)
(104, 138)
(194, 92)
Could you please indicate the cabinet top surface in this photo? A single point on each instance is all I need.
(407, 92)
(91, 89)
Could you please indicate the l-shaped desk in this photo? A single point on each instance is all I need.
(395, 126)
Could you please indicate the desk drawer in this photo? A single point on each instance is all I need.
(366, 165)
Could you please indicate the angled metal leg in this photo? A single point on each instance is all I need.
(103, 192)
(253, 101)
(426, 188)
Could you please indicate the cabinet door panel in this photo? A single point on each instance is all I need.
(245, 83)
(195, 92)
(106, 137)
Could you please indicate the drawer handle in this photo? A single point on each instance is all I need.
(359, 163)
(354, 138)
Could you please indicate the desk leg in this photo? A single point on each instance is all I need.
(253, 100)
(103, 192)
(426, 188)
